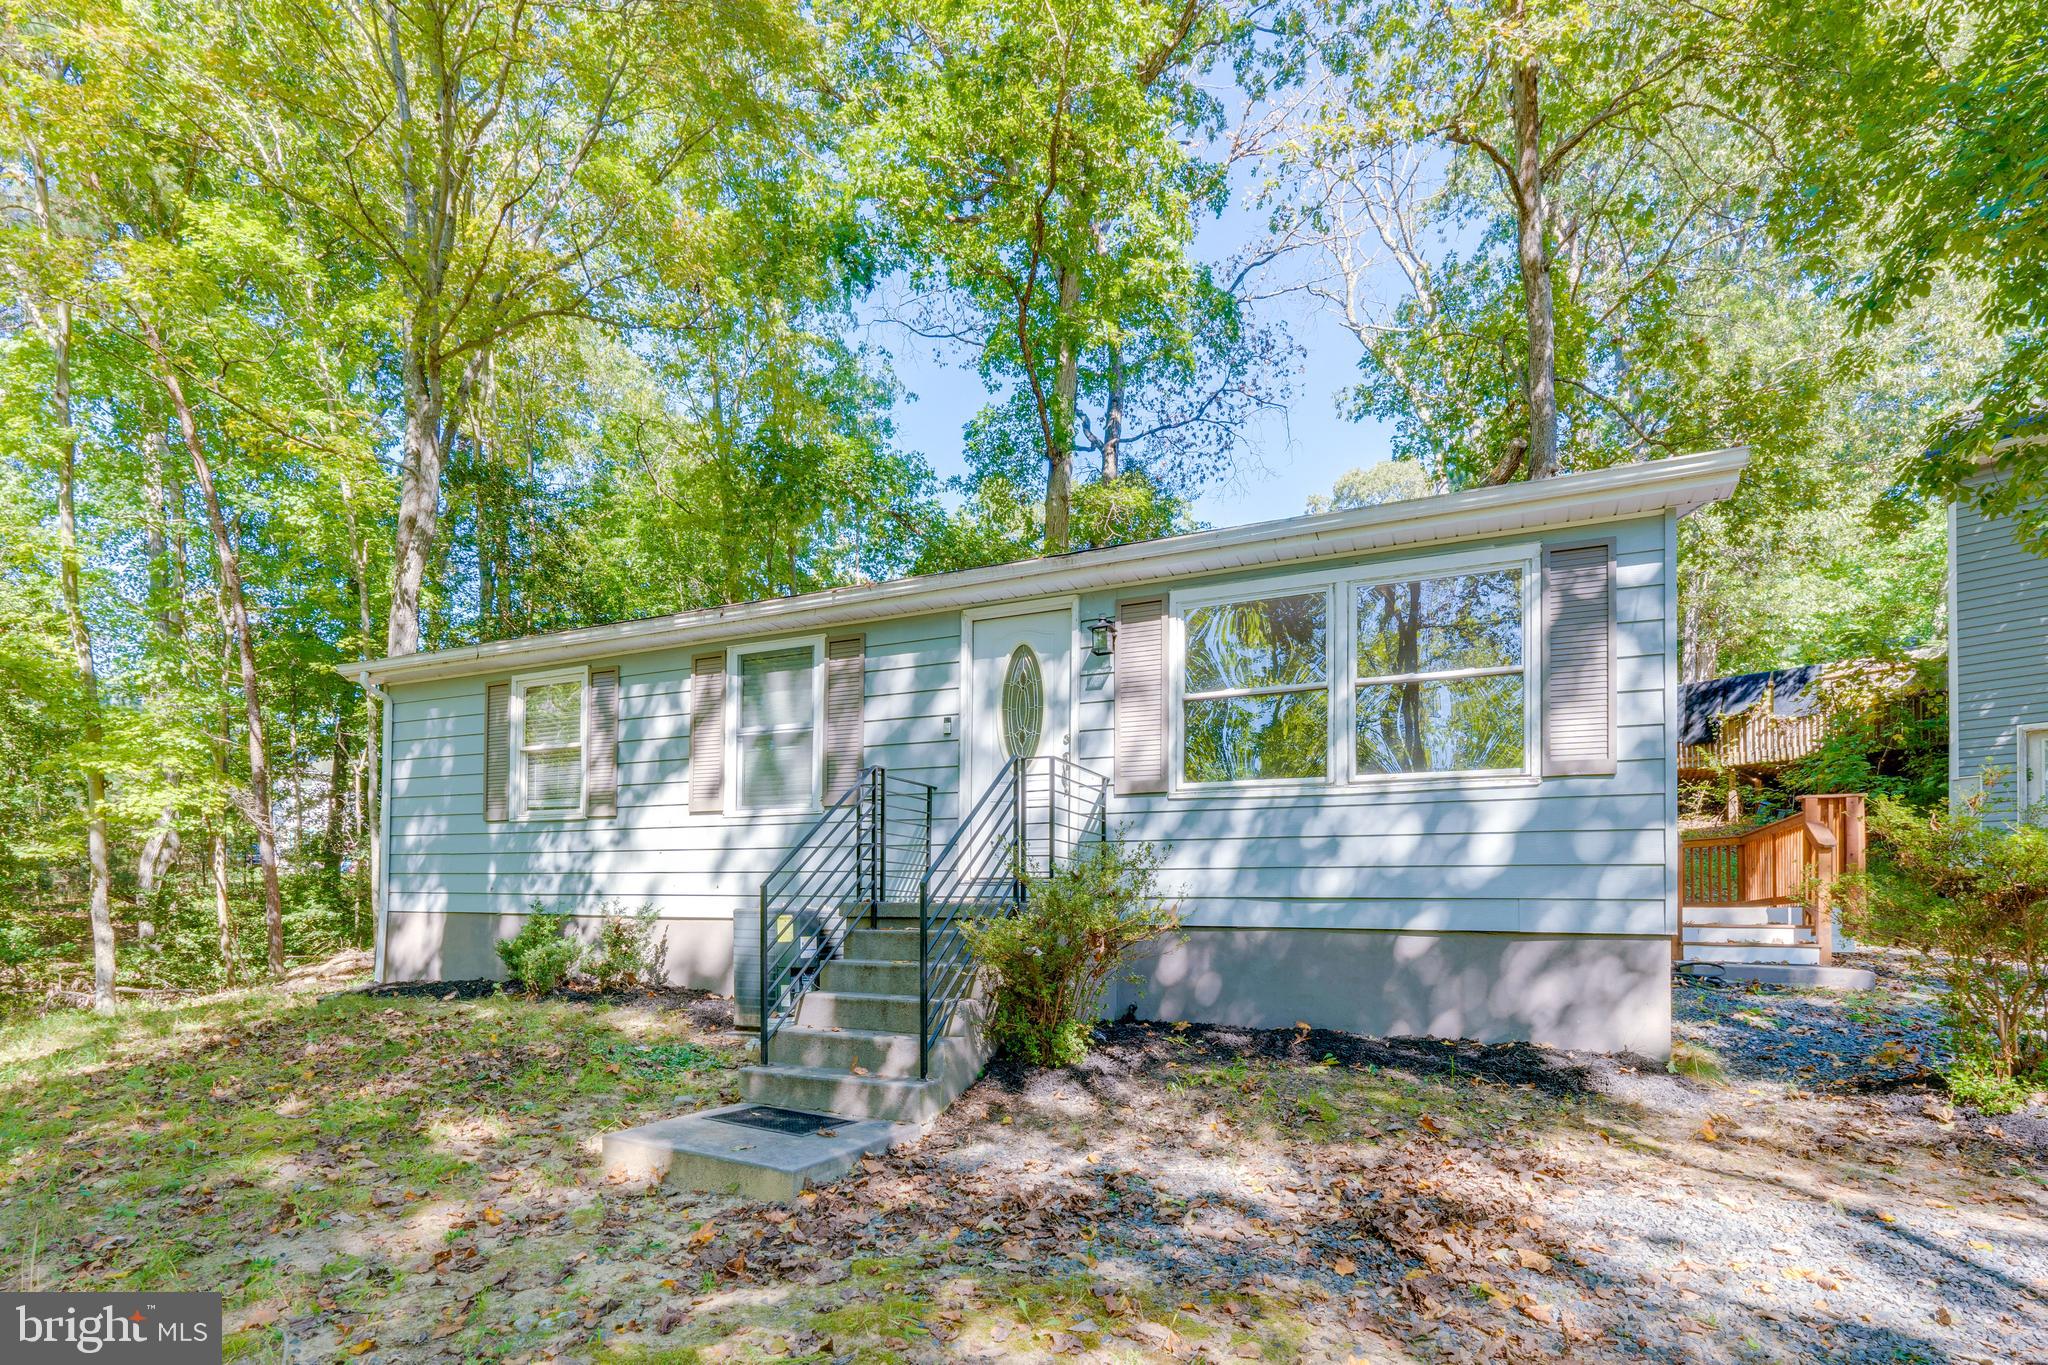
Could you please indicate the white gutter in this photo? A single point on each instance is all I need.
(1682, 483)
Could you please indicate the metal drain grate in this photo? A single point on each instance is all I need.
(770, 1119)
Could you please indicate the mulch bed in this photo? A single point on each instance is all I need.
(1129, 1047)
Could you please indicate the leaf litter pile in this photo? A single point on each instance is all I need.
(415, 1178)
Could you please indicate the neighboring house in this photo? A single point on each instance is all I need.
(1749, 726)
(1412, 768)
(1998, 666)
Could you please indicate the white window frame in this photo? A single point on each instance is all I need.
(2026, 732)
(515, 780)
(1179, 606)
(1339, 586)
(1529, 566)
(736, 777)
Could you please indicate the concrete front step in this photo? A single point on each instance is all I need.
(858, 1009)
(883, 1054)
(1746, 933)
(881, 945)
(1784, 974)
(897, 1098)
(856, 976)
(1799, 954)
(704, 1151)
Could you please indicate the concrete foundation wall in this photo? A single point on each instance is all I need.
(433, 946)
(1569, 991)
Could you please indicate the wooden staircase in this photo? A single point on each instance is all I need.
(1760, 905)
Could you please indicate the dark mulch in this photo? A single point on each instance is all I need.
(1129, 1047)
(706, 1010)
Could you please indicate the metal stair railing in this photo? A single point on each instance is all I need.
(1038, 815)
(868, 849)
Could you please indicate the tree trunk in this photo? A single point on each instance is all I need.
(1059, 477)
(1540, 379)
(160, 850)
(100, 894)
(1113, 417)
(238, 626)
(223, 920)
(57, 330)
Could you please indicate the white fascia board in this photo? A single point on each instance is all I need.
(1682, 483)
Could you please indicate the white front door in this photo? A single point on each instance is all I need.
(2034, 773)
(1020, 695)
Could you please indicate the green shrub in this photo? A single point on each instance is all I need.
(541, 955)
(626, 953)
(1050, 963)
(1973, 897)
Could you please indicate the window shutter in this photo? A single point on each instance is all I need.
(601, 744)
(497, 749)
(1578, 660)
(1140, 702)
(707, 734)
(846, 667)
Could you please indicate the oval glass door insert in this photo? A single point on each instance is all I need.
(1023, 704)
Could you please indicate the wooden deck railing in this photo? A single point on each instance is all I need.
(1795, 860)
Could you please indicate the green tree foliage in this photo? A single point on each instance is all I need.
(1910, 146)
(1035, 168)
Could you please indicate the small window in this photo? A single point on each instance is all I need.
(1440, 684)
(1255, 692)
(1023, 704)
(776, 729)
(548, 735)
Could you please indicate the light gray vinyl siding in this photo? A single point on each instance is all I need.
(1584, 854)
(445, 859)
(1998, 643)
(1577, 854)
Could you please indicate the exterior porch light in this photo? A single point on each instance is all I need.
(1102, 636)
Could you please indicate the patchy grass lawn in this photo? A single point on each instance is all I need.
(416, 1179)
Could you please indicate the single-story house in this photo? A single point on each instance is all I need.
(1997, 666)
(1410, 769)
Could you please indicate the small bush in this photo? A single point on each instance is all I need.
(627, 952)
(1052, 961)
(541, 955)
(1974, 897)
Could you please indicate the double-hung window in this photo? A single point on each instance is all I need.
(775, 728)
(1255, 689)
(547, 742)
(1440, 682)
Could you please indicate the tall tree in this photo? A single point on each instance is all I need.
(52, 315)
(502, 165)
(1531, 122)
(1035, 165)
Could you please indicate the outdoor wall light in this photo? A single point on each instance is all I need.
(1102, 634)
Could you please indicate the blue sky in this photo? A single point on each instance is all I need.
(1290, 454)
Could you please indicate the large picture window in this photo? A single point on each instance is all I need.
(1440, 681)
(547, 731)
(1424, 672)
(1255, 692)
(776, 729)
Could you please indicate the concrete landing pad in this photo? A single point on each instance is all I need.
(709, 1151)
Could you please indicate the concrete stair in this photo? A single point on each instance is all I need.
(851, 1054)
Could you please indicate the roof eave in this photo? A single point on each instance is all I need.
(1681, 483)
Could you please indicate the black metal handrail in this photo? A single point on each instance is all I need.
(1036, 816)
(868, 849)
